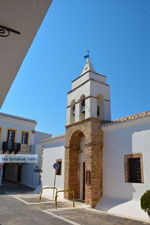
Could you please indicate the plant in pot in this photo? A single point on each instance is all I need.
(145, 202)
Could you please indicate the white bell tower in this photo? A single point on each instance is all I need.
(89, 96)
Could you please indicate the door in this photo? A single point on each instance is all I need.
(19, 173)
(4, 171)
(83, 180)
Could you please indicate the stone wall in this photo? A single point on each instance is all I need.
(91, 130)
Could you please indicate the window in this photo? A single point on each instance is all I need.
(133, 168)
(58, 171)
(11, 136)
(24, 139)
(0, 132)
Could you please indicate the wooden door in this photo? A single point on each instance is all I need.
(83, 180)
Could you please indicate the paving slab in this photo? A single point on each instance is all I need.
(25, 208)
(89, 217)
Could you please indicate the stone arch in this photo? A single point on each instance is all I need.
(74, 154)
(93, 134)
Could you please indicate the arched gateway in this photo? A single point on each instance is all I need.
(83, 160)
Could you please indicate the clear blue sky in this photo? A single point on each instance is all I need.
(117, 32)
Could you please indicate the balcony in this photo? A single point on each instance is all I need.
(11, 147)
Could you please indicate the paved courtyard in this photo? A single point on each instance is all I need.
(18, 206)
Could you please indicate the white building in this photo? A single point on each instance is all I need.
(105, 163)
(18, 136)
(20, 21)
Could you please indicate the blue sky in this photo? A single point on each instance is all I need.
(118, 35)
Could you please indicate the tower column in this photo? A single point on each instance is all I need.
(77, 115)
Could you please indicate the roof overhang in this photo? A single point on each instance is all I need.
(24, 16)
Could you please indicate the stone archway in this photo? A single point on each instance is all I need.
(91, 130)
(74, 166)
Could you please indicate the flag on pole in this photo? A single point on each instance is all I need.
(86, 56)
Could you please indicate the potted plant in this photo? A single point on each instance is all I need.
(145, 202)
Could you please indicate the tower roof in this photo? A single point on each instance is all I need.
(88, 67)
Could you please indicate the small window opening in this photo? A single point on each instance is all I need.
(98, 111)
(59, 170)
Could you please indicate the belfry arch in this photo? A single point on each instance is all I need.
(85, 182)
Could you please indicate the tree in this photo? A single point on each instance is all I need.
(145, 202)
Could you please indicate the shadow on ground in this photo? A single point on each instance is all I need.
(13, 188)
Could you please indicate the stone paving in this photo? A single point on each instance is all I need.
(26, 208)
(89, 217)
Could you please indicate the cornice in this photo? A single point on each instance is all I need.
(90, 79)
(89, 71)
(92, 119)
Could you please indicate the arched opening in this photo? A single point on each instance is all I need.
(100, 106)
(82, 107)
(72, 111)
(77, 164)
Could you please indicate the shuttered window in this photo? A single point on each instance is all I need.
(134, 170)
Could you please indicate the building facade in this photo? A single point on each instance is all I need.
(104, 162)
(18, 136)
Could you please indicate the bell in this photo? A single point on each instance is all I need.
(83, 109)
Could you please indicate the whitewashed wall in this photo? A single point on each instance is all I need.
(56, 150)
(40, 136)
(119, 140)
(125, 138)
(81, 79)
(88, 85)
(17, 124)
(29, 177)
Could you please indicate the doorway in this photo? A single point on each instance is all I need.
(12, 172)
(82, 169)
(83, 191)
(75, 165)
(19, 173)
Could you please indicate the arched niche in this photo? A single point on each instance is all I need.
(82, 108)
(72, 111)
(76, 164)
(100, 106)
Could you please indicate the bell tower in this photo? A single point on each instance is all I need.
(89, 96)
(88, 106)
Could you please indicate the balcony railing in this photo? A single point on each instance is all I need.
(11, 147)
